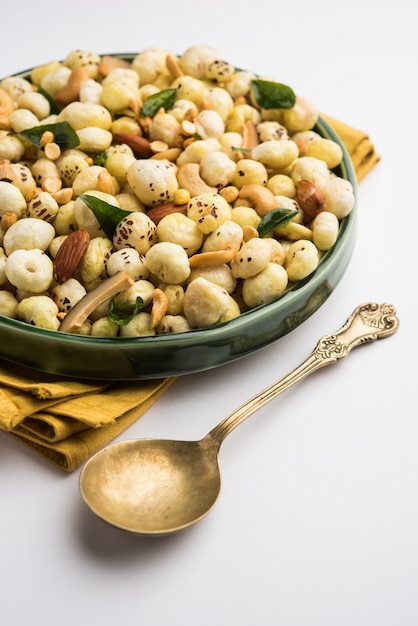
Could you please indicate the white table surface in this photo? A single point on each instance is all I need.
(316, 524)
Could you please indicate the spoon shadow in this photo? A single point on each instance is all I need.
(106, 544)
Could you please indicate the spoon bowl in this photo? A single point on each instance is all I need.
(160, 486)
(141, 485)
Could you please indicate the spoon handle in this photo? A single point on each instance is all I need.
(367, 323)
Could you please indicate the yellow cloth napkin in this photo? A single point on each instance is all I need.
(67, 421)
(358, 145)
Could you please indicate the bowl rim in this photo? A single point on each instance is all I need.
(347, 225)
(222, 331)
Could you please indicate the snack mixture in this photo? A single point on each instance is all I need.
(158, 193)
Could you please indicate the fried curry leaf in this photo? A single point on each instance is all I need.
(55, 109)
(100, 159)
(107, 214)
(121, 317)
(163, 99)
(271, 95)
(64, 135)
(273, 219)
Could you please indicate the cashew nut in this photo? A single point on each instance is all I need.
(262, 198)
(6, 103)
(173, 66)
(7, 172)
(214, 257)
(80, 311)
(71, 91)
(108, 63)
(189, 178)
(249, 135)
(159, 307)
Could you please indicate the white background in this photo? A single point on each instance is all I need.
(317, 520)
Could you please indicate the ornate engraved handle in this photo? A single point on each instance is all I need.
(367, 323)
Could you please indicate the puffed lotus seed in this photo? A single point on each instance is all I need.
(164, 127)
(281, 185)
(87, 179)
(303, 116)
(43, 206)
(239, 84)
(218, 274)
(228, 235)
(28, 234)
(268, 284)
(94, 139)
(70, 164)
(195, 151)
(67, 294)
(84, 58)
(208, 210)
(309, 168)
(325, 230)
(11, 148)
(245, 215)
(93, 264)
(209, 123)
(31, 270)
(338, 196)
(217, 169)
(302, 259)
(139, 326)
(252, 257)
(8, 304)
(204, 303)
(169, 262)
(136, 231)
(11, 199)
(23, 179)
(190, 88)
(231, 312)
(154, 182)
(84, 115)
(104, 327)
(38, 311)
(325, 150)
(175, 297)
(173, 323)
(22, 119)
(65, 221)
(249, 171)
(150, 63)
(118, 163)
(182, 230)
(84, 216)
(277, 155)
(126, 300)
(119, 90)
(127, 260)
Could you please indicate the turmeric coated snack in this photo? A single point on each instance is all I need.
(207, 189)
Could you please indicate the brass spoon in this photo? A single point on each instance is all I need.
(158, 486)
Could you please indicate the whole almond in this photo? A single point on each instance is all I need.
(309, 197)
(140, 145)
(157, 213)
(70, 254)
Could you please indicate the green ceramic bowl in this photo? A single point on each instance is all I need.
(173, 355)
